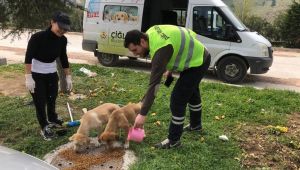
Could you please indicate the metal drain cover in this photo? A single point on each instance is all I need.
(94, 158)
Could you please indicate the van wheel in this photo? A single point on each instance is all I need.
(232, 69)
(108, 59)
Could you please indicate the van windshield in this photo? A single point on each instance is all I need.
(235, 21)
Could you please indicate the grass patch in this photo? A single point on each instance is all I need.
(19, 128)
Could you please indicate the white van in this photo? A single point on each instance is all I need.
(232, 46)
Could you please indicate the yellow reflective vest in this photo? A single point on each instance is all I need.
(188, 51)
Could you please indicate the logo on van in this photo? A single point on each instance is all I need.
(103, 35)
(117, 35)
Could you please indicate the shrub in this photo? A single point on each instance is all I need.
(262, 26)
(288, 25)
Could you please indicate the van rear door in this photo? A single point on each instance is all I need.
(117, 19)
(91, 24)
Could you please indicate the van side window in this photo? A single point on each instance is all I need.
(181, 16)
(93, 8)
(120, 14)
(207, 21)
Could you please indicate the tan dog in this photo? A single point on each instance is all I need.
(122, 118)
(120, 16)
(92, 119)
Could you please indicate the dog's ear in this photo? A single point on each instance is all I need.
(123, 122)
(108, 136)
(113, 136)
(124, 125)
(126, 16)
(113, 17)
(103, 137)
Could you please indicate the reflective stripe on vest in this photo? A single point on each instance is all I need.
(190, 52)
(178, 57)
(184, 45)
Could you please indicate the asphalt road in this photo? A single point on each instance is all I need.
(284, 73)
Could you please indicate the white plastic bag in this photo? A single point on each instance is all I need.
(88, 72)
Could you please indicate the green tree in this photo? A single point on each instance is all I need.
(262, 26)
(25, 15)
(18, 16)
(288, 25)
(242, 8)
(277, 25)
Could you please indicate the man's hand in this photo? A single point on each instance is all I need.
(69, 82)
(29, 82)
(168, 73)
(139, 121)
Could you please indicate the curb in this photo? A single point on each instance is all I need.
(297, 50)
(74, 33)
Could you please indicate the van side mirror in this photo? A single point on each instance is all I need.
(230, 34)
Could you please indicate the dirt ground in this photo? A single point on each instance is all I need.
(262, 147)
(12, 84)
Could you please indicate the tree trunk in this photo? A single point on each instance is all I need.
(62, 77)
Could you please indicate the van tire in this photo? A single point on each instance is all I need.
(232, 69)
(108, 60)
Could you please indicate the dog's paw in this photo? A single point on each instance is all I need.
(126, 145)
(116, 144)
(97, 144)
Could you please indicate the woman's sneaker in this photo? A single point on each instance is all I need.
(56, 123)
(188, 128)
(47, 133)
(168, 144)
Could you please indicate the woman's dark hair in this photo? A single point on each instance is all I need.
(134, 37)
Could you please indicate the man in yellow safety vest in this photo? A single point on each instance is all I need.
(172, 49)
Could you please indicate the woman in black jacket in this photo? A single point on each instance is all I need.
(43, 49)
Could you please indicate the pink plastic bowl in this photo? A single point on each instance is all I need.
(136, 134)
